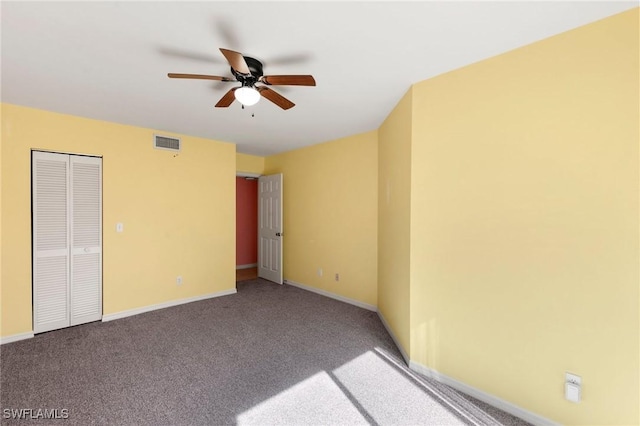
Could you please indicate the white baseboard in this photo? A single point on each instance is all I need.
(136, 311)
(16, 337)
(333, 296)
(247, 266)
(481, 395)
(395, 340)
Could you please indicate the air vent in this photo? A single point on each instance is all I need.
(165, 142)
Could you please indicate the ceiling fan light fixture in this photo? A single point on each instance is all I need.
(247, 95)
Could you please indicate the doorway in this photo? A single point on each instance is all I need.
(246, 228)
(259, 227)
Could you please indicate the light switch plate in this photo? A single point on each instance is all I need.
(119, 227)
(572, 387)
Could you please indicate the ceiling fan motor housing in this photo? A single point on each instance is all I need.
(255, 67)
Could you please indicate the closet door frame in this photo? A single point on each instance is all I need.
(39, 297)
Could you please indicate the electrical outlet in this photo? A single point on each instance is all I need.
(319, 272)
(179, 280)
(337, 276)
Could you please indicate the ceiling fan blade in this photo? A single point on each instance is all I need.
(288, 80)
(275, 97)
(200, 77)
(236, 60)
(227, 99)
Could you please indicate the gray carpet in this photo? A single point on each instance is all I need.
(268, 355)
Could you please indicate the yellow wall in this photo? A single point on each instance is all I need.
(249, 163)
(178, 212)
(1, 135)
(330, 215)
(394, 200)
(524, 223)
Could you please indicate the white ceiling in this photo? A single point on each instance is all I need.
(109, 60)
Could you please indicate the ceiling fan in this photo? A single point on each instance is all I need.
(248, 71)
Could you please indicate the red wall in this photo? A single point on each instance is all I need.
(246, 221)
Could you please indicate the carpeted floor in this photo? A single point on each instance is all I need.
(269, 354)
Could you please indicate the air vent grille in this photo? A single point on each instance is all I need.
(165, 142)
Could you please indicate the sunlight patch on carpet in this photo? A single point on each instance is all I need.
(388, 396)
(316, 399)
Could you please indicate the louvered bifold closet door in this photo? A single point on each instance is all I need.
(67, 240)
(86, 239)
(50, 192)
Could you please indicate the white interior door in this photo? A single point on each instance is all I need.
(67, 240)
(270, 228)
